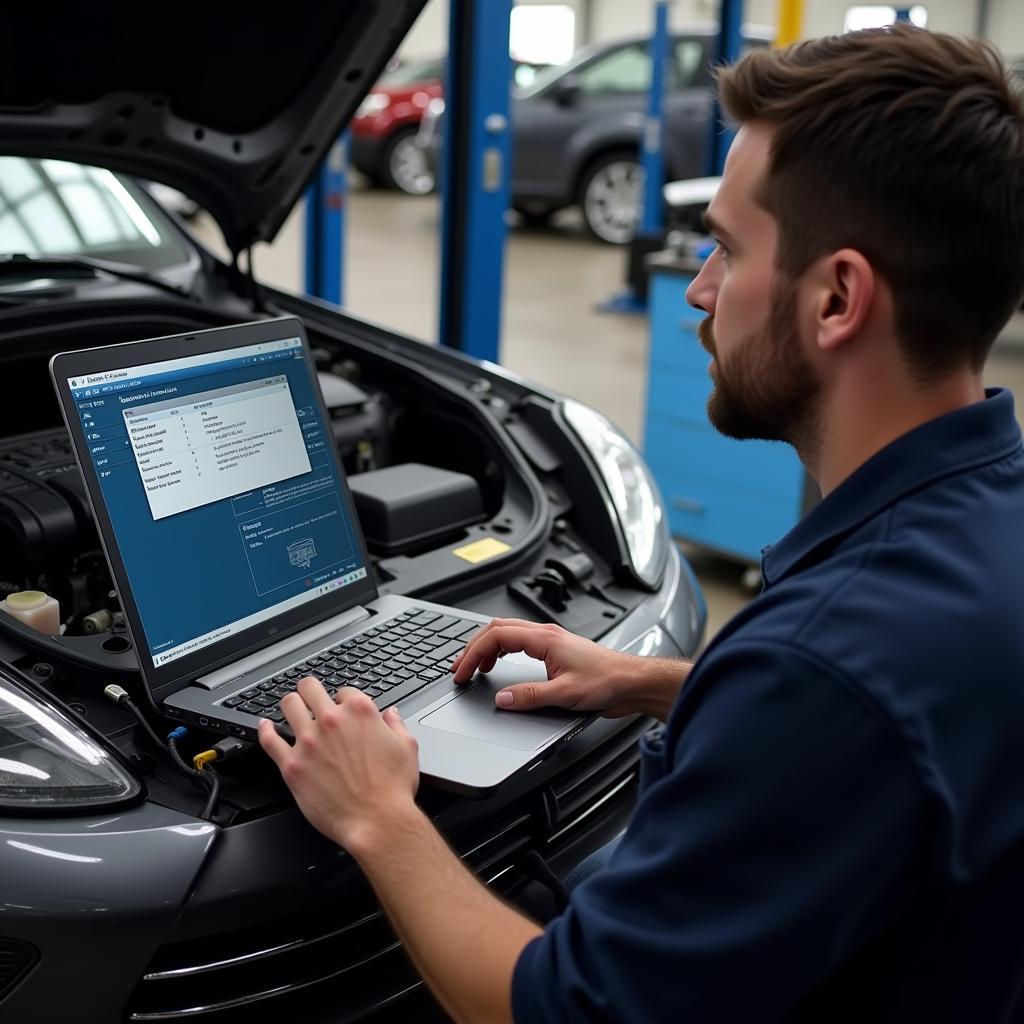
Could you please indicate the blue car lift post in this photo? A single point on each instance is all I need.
(728, 46)
(325, 227)
(652, 216)
(474, 176)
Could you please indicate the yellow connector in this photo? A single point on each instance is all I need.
(200, 761)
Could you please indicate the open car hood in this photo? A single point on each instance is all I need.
(235, 105)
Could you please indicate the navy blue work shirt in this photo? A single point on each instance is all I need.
(831, 825)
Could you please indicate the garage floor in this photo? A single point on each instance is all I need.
(552, 332)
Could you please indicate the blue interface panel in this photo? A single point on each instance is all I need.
(220, 485)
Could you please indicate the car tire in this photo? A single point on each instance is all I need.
(610, 195)
(403, 165)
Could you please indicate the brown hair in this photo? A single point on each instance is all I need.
(908, 146)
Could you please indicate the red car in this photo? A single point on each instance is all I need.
(384, 129)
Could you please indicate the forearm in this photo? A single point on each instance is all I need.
(655, 684)
(463, 940)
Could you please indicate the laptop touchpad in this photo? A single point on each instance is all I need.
(473, 712)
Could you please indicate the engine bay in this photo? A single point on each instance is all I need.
(436, 462)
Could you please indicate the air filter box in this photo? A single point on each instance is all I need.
(408, 505)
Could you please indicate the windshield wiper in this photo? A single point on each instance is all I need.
(22, 265)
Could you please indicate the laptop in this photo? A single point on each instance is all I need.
(229, 527)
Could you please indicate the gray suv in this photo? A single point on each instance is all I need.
(578, 129)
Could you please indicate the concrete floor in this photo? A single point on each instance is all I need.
(552, 332)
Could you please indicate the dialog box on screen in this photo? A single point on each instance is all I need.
(205, 447)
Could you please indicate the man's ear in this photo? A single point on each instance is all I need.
(844, 285)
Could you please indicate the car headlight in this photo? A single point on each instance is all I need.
(633, 494)
(49, 762)
(374, 104)
(435, 108)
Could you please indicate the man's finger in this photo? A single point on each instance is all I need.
(273, 744)
(485, 649)
(312, 691)
(297, 714)
(393, 720)
(482, 632)
(528, 696)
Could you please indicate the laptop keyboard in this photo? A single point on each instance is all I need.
(388, 662)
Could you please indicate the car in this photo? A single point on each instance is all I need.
(383, 141)
(578, 130)
(123, 899)
(383, 144)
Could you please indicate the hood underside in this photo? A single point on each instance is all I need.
(235, 105)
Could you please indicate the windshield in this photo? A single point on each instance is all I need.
(57, 208)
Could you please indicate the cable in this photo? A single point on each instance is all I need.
(205, 776)
(119, 695)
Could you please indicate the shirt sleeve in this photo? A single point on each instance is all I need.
(781, 837)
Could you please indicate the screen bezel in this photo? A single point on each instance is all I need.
(161, 681)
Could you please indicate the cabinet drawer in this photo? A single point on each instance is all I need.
(725, 517)
(687, 447)
(674, 327)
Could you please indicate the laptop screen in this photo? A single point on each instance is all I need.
(221, 488)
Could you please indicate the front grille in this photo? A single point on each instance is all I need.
(347, 961)
(346, 964)
(16, 960)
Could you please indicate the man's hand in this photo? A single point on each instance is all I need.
(351, 768)
(353, 773)
(582, 675)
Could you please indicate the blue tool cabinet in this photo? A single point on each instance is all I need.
(731, 496)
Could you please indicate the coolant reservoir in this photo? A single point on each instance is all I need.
(35, 609)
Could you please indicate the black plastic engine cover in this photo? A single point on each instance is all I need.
(43, 507)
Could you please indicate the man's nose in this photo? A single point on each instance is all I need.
(703, 290)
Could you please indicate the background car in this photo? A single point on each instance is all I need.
(121, 900)
(383, 146)
(578, 130)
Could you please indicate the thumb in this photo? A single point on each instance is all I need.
(527, 696)
(393, 720)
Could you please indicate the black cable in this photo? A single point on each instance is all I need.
(211, 800)
(207, 777)
(141, 719)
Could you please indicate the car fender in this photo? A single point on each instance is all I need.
(103, 891)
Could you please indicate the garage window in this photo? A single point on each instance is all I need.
(878, 16)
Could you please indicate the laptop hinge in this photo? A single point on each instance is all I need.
(237, 669)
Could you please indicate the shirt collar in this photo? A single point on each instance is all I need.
(971, 436)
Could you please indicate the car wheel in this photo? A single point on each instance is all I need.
(610, 196)
(404, 165)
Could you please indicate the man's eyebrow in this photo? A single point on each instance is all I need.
(716, 229)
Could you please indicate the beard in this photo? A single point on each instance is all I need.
(770, 390)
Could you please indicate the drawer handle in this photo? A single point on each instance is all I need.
(689, 505)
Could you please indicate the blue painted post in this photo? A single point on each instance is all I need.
(475, 176)
(325, 226)
(729, 45)
(653, 159)
(652, 210)
(903, 14)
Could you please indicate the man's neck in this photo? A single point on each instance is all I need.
(859, 420)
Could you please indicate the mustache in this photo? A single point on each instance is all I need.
(706, 335)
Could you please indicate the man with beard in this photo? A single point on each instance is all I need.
(831, 823)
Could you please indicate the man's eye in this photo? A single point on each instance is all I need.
(723, 251)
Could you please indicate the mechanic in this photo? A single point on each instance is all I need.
(831, 824)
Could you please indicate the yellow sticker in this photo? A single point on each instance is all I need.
(481, 550)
